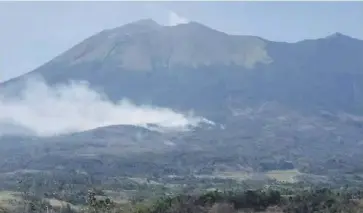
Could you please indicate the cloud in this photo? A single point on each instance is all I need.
(175, 19)
(74, 107)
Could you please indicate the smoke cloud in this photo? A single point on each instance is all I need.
(175, 19)
(46, 111)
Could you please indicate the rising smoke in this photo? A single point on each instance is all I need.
(46, 111)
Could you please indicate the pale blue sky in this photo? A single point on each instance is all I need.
(35, 32)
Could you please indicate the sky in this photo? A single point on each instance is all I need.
(33, 33)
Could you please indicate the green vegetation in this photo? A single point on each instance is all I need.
(296, 200)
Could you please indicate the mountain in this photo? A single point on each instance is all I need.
(193, 67)
(273, 106)
(270, 101)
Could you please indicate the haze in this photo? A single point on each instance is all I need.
(47, 111)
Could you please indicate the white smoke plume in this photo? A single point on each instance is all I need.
(75, 107)
(175, 19)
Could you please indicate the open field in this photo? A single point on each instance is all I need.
(283, 175)
(9, 199)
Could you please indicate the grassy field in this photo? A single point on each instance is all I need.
(239, 176)
(9, 199)
(278, 175)
(283, 175)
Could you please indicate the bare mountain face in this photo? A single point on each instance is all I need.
(145, 46)
(190, 66)
(277, 101)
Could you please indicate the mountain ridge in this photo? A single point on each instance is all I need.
(191, 66)
(152, 25)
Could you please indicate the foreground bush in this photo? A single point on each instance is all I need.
(306, 201)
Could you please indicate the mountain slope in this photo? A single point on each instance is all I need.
(191, 66)
(148, 46)
(275, 105)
